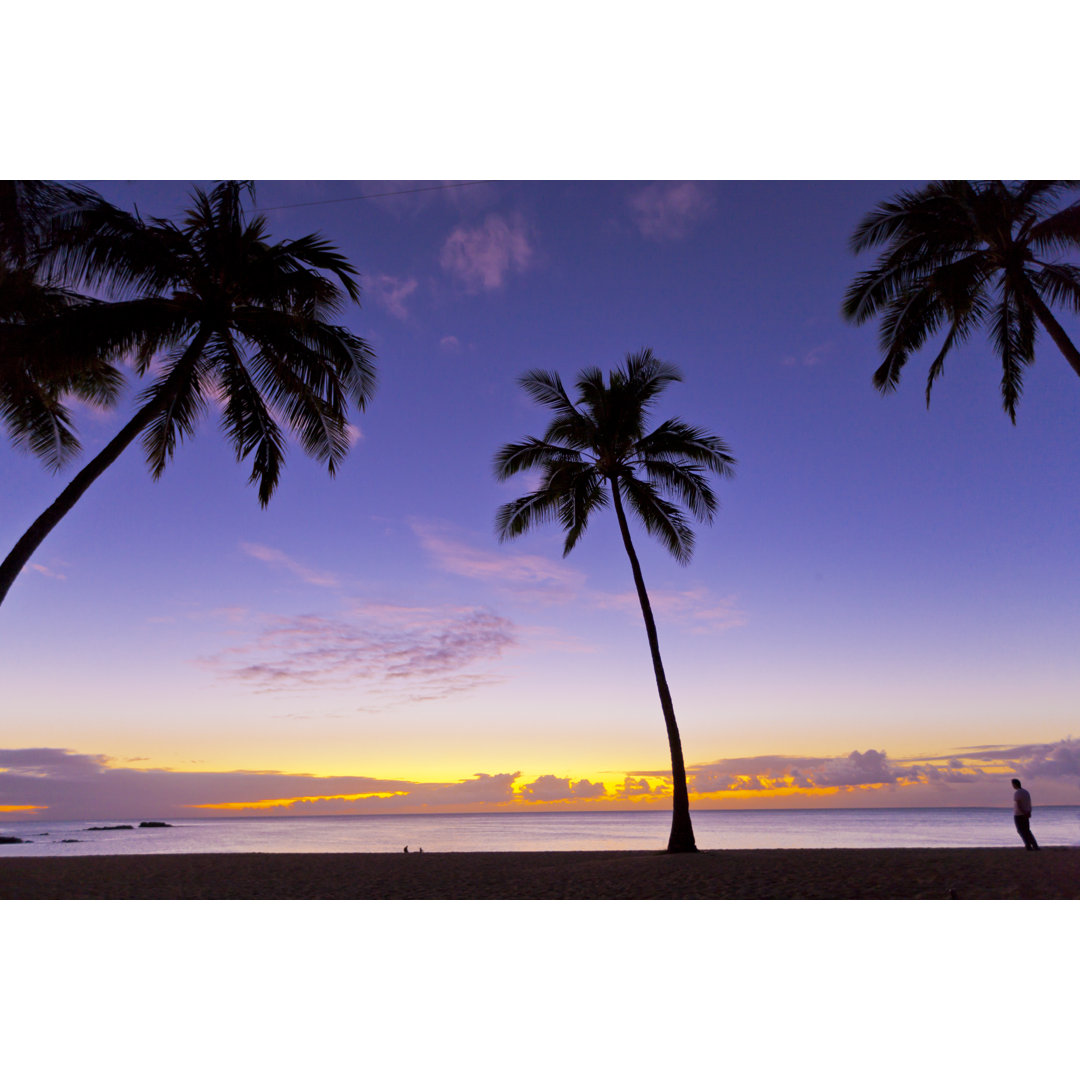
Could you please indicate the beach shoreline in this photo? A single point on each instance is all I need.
(760, 874)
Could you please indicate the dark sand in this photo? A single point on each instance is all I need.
(828, 874)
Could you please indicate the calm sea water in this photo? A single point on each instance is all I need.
(645, 830)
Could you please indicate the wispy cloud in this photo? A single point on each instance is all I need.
(811, 358)
(45, 571)
(482, 258)
(527, 576)
(391, 293)
(1056, 760)
(696, 609)
(273, 557)
(668, 211)
(539, 580)
(410, 653)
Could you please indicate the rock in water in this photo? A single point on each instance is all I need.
(12, 840)
(154, 825)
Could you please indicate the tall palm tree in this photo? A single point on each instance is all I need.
(51, 343)
(229, 316)
(598, 448)
(964, 255)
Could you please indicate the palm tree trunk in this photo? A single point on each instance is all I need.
(1055, 330)
(46, 522)
(32, 538)
(682, 830)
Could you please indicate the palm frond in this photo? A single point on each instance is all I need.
(28, 209)
(521, 515)
(514, 458)
(1058, 284)
(248, 422)
(684, 482)
(660, 518)
(1007, 334)
(582, 492)
(317, 252)
(675, 440)
(949, 249)
(36, 419)
(546, 388)
(180, 396)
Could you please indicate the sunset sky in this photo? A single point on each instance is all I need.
(884, 612)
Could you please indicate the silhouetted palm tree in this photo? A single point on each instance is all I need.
(52, 345)
(965, 255)
(599, 445)
(230, 317)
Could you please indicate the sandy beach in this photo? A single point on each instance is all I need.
(832, 874)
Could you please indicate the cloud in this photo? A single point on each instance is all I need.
(532, 576)
(668, 211)
(549, 788)
(539, 580)
(769, 772)
(636, 787)
(45, 571)
(76, 786)
(79, 786)
(413, 653)
(273, 557)
(1057, 760)
(391, 293)
(481, 258)
(695, 608)
(813, 358)
(450, 343)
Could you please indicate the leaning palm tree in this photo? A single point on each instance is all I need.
(52, 346)
(963, 255)
(212, 310)
(598, 448)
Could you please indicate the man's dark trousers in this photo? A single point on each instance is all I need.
(1023, 827)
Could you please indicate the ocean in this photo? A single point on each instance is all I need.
(598, 831)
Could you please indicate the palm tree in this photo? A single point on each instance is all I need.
(598, 445)
(230, 316)
(51, 343)
(967, 255)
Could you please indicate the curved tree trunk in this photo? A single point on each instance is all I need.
(32, 538)
(682, 830)
(46, 522)
(1055, 330)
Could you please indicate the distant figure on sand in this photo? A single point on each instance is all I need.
(406, 849)
(1022, 815)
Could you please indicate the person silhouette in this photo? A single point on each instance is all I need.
(1022, 816)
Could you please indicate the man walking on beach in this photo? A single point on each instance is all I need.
(1022, 815)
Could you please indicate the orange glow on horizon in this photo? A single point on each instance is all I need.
(20, 809)
(272, 804)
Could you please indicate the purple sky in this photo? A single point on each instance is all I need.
(881, 579)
